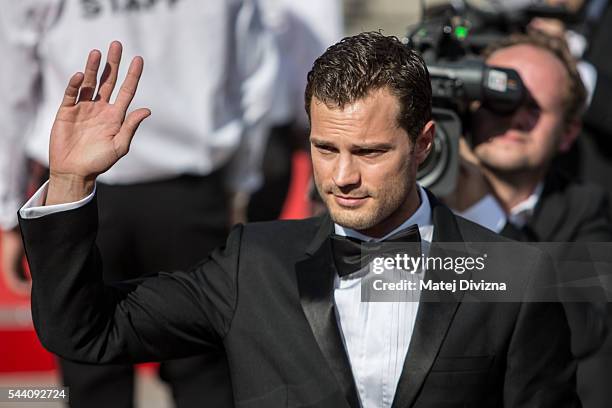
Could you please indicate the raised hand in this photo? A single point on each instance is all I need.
(90, 134)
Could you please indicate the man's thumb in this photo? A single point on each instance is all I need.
(129, 127)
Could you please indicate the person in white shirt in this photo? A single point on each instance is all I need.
(211, 68)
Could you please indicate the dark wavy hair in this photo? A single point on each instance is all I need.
(352, 68)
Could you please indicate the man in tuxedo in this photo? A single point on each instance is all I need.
(283, 298)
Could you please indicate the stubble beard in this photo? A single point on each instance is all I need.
(498, 160)
(380, 205)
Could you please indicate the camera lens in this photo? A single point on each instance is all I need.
(434, 167)
(439, 170)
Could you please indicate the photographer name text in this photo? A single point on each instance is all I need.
(439, 286)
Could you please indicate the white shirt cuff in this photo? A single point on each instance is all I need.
(487, 212)
(35, 207)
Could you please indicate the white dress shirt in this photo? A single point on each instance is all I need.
(489, 213)
(377, 334)
(208, 78)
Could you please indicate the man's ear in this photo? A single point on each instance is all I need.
(424, 142)
(570, 133)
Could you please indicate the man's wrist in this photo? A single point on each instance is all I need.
(68, 188)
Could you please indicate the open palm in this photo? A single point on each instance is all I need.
(90, 134)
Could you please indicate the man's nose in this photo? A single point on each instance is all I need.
(523, 119)
(346, 171)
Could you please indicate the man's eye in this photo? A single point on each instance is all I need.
(533, 107)
(326, 149)
(369, 152)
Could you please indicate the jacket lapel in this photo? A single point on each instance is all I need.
(551, 211)
(434, 315)
(315, 278)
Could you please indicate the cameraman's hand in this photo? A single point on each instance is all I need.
(472, 185)
(90, 134)
(12, 262)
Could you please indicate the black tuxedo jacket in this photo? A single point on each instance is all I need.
(267, 299)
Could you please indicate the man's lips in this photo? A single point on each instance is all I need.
(510, 138)
(349, 201)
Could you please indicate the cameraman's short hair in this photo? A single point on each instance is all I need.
(576, 95)
(352, 68)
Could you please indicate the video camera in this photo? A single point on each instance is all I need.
(450, 38)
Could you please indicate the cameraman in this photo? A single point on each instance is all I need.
(507, 182)
(518, 192)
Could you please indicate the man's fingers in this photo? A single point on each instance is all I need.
(72, 90)
(128, 129)
(130, 83)
(91, 72)
(111, 69)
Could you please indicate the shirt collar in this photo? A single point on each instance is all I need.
(421, 217)
(522, 212)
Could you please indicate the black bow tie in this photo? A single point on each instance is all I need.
(351, 254)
